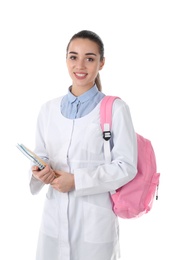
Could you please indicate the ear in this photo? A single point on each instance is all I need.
(102, 64)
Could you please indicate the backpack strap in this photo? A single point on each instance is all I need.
(106, 123)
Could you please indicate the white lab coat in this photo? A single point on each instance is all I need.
(80, 225)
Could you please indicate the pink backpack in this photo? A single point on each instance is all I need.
(136, 197)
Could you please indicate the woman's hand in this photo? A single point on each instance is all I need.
(46, 175)
(64, 181)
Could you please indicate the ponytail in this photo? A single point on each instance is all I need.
(98, 82)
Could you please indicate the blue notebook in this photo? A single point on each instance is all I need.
(32, 156)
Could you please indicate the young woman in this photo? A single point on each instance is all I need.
(78, 222)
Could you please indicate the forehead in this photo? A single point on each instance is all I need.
(83, 46)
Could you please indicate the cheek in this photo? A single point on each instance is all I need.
(70, 63)
(95, 70)
(69, 67)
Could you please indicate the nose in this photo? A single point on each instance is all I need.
(80, 64)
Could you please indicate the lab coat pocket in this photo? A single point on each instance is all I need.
(99, 223)
(49, 225)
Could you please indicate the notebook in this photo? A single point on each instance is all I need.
(32, 156)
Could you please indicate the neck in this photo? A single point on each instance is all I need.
(78, 91)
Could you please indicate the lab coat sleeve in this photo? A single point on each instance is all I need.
(34, 184)
(123, 166)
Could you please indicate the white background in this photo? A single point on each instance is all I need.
(146, 65)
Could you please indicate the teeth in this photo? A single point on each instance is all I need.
(80, 75)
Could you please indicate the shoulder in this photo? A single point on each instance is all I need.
(55, 102)
(50, 107)
(114, 105)
(121, 112)
(120, 105)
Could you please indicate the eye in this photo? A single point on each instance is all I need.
(72, 57)
(90, 59)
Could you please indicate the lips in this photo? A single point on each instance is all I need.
(80, 75)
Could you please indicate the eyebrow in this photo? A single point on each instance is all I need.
(89, 53)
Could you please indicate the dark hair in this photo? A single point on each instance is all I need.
(85, 34)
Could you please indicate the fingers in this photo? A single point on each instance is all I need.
(64, 182)
(46, 175)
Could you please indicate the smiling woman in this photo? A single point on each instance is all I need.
(78, 221)
(85, 57)
(146, 65)
(83, 63)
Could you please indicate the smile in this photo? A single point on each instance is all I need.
(80, 75)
